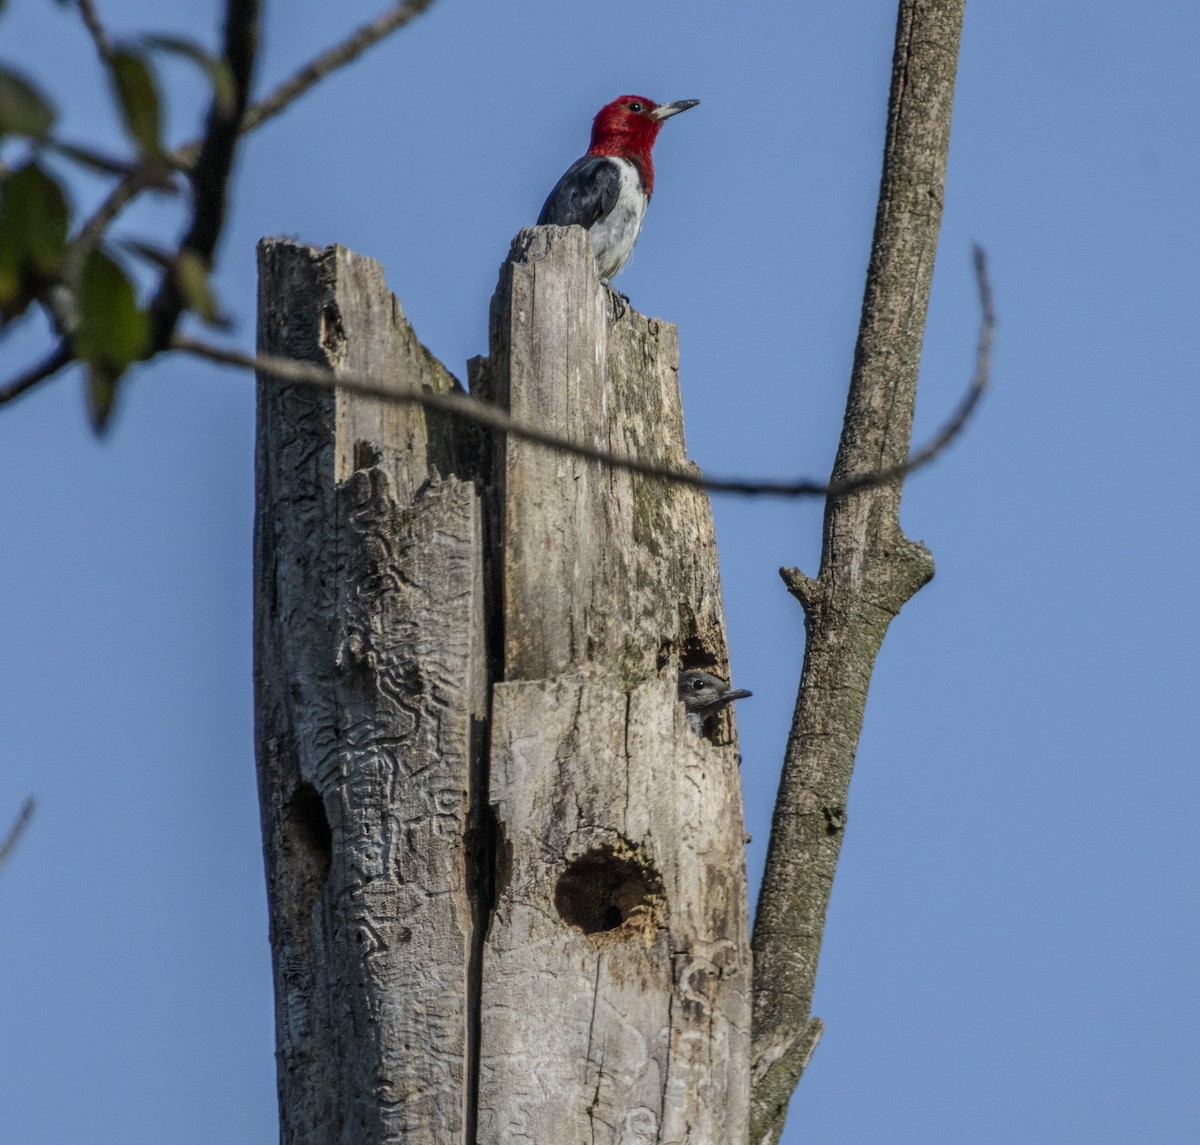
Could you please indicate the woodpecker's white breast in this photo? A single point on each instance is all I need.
(614, 234)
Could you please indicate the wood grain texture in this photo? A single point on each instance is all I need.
(637, 1031)
(598, 565)
(558, 514)
(370, 678)
(616, 969)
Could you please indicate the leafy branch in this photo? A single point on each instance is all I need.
(70, 270)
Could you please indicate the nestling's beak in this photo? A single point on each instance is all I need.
(735, 694)
(666, 110)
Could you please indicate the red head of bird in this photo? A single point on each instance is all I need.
(628, 127)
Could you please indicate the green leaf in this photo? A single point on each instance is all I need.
(137, 90)
(215, 67)
(191, 276)
(113, 329)
(23, 109)
(101, 394)
(34, 220)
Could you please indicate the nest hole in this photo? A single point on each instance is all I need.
(306, 830)
(609, 888)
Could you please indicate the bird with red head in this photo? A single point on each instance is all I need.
(607, 190)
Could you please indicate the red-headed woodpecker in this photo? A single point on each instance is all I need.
(606, 191)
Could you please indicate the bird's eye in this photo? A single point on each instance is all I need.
(635, 105)
(698, 685)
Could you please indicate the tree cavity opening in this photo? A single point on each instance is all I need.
(611, 887)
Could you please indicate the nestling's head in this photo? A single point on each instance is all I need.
(704, 694)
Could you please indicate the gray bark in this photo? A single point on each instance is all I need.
(868, 567)
(370, 677)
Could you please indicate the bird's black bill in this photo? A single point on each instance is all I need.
(666, 110)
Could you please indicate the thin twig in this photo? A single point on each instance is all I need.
(49, 366)
(983, 365)
(470, 409)
(151, 173)
(124, 168)
(330, 60)
(100, 37)
(16, 830)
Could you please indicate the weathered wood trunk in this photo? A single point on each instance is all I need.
(370, 679)
(515, 912)
(615, 971)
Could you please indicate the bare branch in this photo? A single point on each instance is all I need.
(959, 418)
(49, 366)
(471, 409)
(869, 568)
(330, 60)
(10, 841)
(100, 37)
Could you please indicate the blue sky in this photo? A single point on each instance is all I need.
(1011, 951)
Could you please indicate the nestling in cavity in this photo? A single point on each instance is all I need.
(704, 694)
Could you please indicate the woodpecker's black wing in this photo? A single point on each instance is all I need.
(587, 191)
